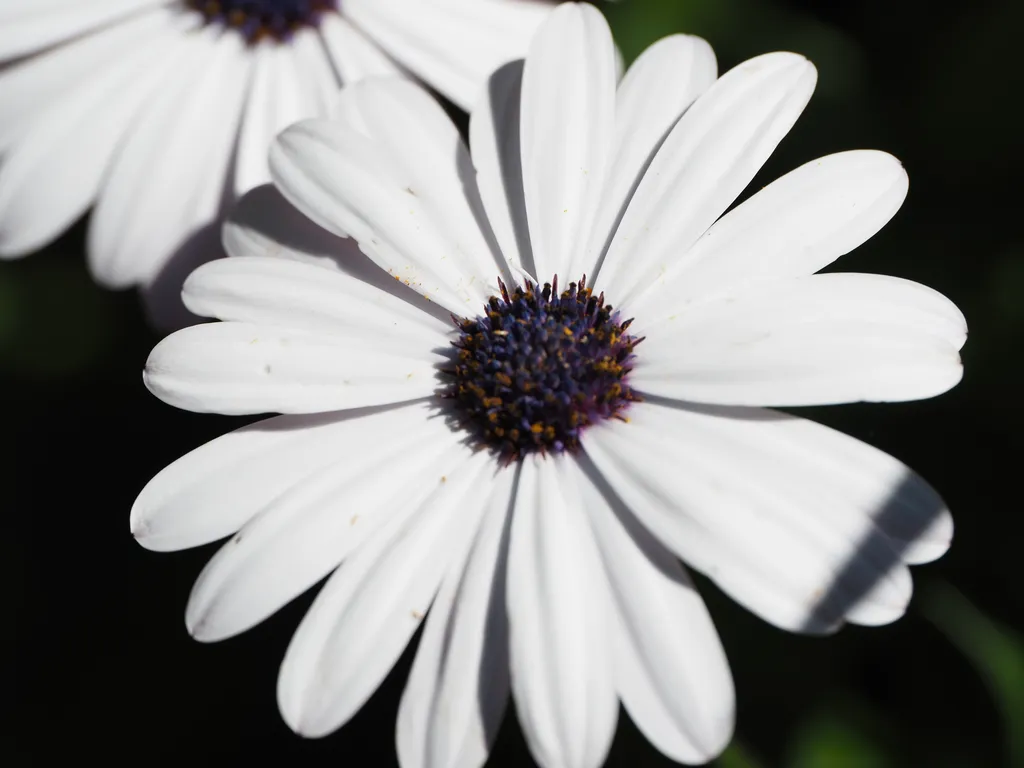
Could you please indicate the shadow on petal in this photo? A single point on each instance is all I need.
(883, 551)
(907, 527)
(505, 87)
(496, 653)
(161, 298)
(264, 223)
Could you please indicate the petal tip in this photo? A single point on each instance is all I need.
(149, 373)
(199, 626)
(139, 526)
(777, 60)
(721, 735)
(140, 522)
(955, 373)
(301, 722)
(17, 251)
(285, 143)
(576, 15)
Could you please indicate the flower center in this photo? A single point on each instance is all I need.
(257, 19)
(538, 367)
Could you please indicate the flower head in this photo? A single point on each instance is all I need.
(471, 443)
(538, 366)
(159, 113)
(260, 19)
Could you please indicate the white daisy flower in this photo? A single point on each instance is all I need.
(527, 479)
(160, 112)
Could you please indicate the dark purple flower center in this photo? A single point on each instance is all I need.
(538, 367)
(258, 19)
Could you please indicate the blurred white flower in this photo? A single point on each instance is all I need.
(160, 112)
(527, 477)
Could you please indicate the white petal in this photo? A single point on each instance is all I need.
(239, 368)
(51, 175)
(659, 86)
(559, 622)
(30, 86)
(455, 699)
(400, 194)
(831, 338)
(708, 158)
(452, 44)
(434, 158)
(319, 78)
(804, 526)
(288, 293)
(161, 296)
(372, 605)
(671, 670)
(168, 181)
(277, 98)
(30, 25)
(794, 227)
(568, 120)
(215, 489)
(353, 55)
(494, 141)
(263, 223)
(301, 535)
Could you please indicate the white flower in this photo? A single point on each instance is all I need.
(160, 112)
(551, 574)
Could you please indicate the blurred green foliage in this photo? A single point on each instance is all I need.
(996, 652)
(834, 741)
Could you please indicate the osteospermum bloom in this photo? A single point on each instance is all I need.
(160, 112)
(522, 465)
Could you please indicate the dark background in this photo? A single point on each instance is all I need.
(101, 662)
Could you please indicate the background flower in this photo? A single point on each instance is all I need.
(93, 635)
(159, 112)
